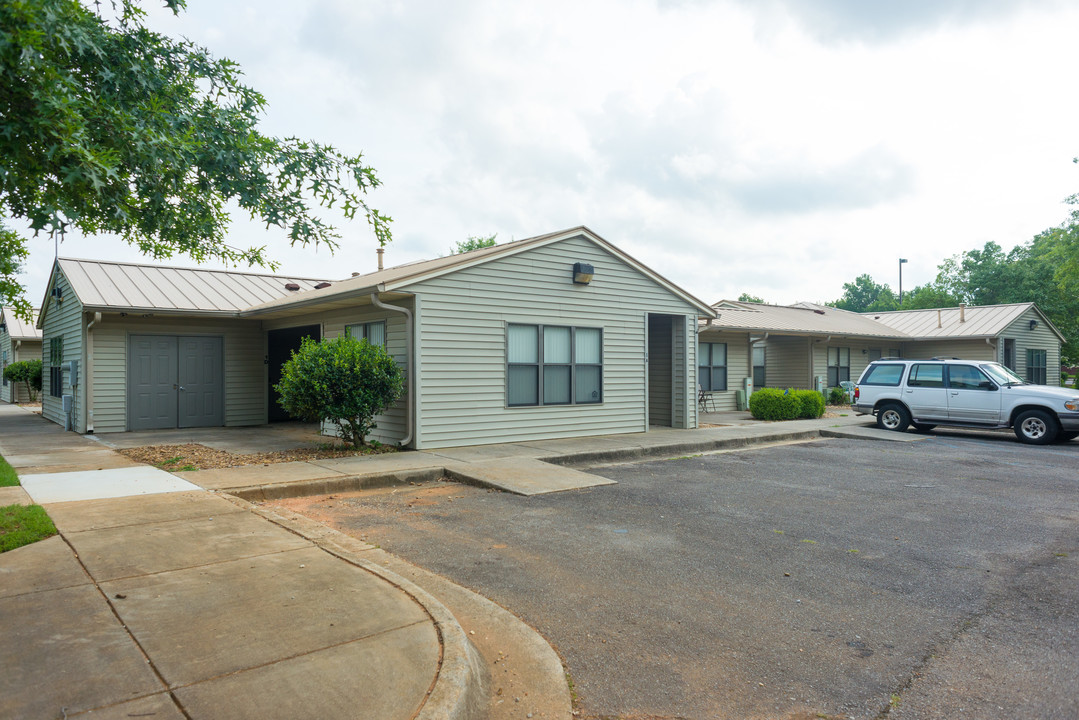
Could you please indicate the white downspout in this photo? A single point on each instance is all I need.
(412, 369)
(88, 374)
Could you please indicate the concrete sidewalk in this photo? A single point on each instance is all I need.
(160, 598)
(189, 605)
(523, 468)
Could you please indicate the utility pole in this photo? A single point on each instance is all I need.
(901, 261)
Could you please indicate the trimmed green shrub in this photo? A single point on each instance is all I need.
(838, 396)
(773, 404)
(811, 403)
(27, 372)
(345, 381)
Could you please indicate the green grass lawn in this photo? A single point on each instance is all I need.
(23, 524)
(20, 524)
(8, 478)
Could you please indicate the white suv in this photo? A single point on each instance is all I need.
(964, 393)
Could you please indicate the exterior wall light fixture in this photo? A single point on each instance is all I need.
(583, 273)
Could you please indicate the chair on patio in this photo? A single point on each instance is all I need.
(704, 399)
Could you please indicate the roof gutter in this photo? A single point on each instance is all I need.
(411, 377)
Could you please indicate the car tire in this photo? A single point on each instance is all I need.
(1067, 436)
(1036, 427)
(893, 416)
(921, 427)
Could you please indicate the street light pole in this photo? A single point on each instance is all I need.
(901, 261)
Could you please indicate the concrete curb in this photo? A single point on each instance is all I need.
(459, 690)
(328, 486)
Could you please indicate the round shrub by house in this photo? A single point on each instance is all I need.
(776, 404)
(344, 381)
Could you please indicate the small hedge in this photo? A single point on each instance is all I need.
(838, 396)
(776, 404)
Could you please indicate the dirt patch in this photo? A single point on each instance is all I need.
(192, 456)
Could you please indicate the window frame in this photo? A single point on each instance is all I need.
(540, 365)
(366, 330)
(1037, 370)
(763, 367)
(839, 367)
(56, 373)
(711, 366)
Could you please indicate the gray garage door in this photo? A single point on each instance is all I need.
(174, 381)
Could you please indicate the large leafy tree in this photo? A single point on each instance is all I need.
(474, 242)
(108, 126)
(866, 295)
(12, 254)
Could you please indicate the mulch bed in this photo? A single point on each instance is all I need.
(192, 456)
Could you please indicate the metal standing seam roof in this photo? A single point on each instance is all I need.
(979, 321)
(103, 285)
(803, 318)
(398, 276)
(18, 328)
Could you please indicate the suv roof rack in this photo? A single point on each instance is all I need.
(946, 358)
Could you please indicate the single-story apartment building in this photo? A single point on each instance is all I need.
(805, 345)
(559, 335)
(19, 340)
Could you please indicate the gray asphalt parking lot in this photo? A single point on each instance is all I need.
(836, 579)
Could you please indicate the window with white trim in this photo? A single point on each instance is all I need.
(760, 376)
(372, 332)
(838, 365)
(56, 358)
(553, 365)
(1036, 364)
(712, 366)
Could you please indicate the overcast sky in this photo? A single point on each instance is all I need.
(776, 147)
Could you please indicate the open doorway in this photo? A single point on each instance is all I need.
(279, 347)
(661, 370)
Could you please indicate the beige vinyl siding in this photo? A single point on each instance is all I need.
(1040, 338)
(63, 320)
(462, 346)
(786, 362)
(391, 425)
(243, 346)
(738, 369)
(964, 349)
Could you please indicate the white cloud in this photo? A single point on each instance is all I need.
(780, 148)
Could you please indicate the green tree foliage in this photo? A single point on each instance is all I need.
(12, 254)
(474, 243)
(109, 127)
(344, 381)
(866, 295)
(746, 297)
(27, 372)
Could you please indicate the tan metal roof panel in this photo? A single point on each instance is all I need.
(18, 328)
(978, 320)
(133, 286)
(803, 318)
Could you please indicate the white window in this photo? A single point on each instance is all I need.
(838, 366)
(372, 332)
(553, 365)
(712, 367)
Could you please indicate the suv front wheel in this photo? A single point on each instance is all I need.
(1036, 427)
(893, 416)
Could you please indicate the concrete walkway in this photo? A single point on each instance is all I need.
(523, 468)
(164, 595)
(182, 603)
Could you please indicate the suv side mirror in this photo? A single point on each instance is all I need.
(986, 385)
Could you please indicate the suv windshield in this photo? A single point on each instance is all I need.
(1002, 375)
